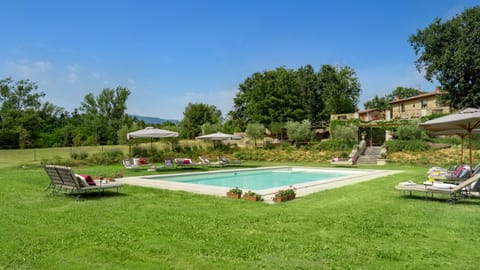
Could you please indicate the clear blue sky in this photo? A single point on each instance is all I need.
(169, 53)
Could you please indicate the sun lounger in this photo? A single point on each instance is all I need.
(186, 163)
(137, 163)
(63, 179)
(207, 162)
(227, 161)
(341, 161)
(436, 171)
(168, 163)
(458, 173)
(455, 192)
(410, 187)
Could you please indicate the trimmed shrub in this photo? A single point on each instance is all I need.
(340, 145)
(406, 145)
(268, 145)
(408, 132)
(341, 133)
(79, 155)
(108, 157)
(140, 151)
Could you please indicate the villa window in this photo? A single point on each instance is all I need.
(423, 103)
(403, 107)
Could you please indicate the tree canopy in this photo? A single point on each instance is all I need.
(282, 95)
(105, 114)
(340, 89)
(255, 131)
(449, 51)
(383, 103)
(195, 116)
(299, 131)
(27, 121)
(23, 116)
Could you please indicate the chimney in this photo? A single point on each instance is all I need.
(438, 90)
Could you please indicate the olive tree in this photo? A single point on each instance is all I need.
(299, 131)
(255, 131)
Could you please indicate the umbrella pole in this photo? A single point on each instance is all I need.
(463, 137)
(470, 146)
(151, 150)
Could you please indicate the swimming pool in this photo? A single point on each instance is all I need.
(204, 182)
(255, 179)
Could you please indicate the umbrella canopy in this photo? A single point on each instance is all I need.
(151, 132)
(218, 136)
(463, 122)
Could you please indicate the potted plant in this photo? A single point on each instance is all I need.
(234, 193)
(252, 196)
(284, 195)
(363, 135)
(290, 193)
(280, 196)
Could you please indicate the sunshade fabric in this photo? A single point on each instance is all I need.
(151, 132)
(462, 123)
(218, 136)
(467, 120)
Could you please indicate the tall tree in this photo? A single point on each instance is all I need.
(340, 89)
(197, 114)
(311, 92)
(20, 95)
(381, 103)
(449, 51)
(20, 119)
(283, 95)
(403, 92)
(104, 115)
(269, 96)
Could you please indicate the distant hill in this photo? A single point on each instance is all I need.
(153, 120)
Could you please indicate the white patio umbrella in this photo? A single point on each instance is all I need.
(151, 132)
(218, 136)
(462, 122)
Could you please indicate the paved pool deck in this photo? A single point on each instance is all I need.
(303, 189)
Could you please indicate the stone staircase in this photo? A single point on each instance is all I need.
(370, 155)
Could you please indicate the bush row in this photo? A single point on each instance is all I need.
(321, 152)
(406, 145)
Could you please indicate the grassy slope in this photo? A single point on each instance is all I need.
(363, 226)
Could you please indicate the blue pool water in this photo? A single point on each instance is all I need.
(255, 180)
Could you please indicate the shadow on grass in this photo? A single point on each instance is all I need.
(92, 195)
(418, 197)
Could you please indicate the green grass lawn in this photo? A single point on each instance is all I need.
(362, 226)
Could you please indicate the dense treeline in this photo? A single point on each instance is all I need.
(271, 98)
(26, 121)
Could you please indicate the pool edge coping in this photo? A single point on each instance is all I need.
(302, 189)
